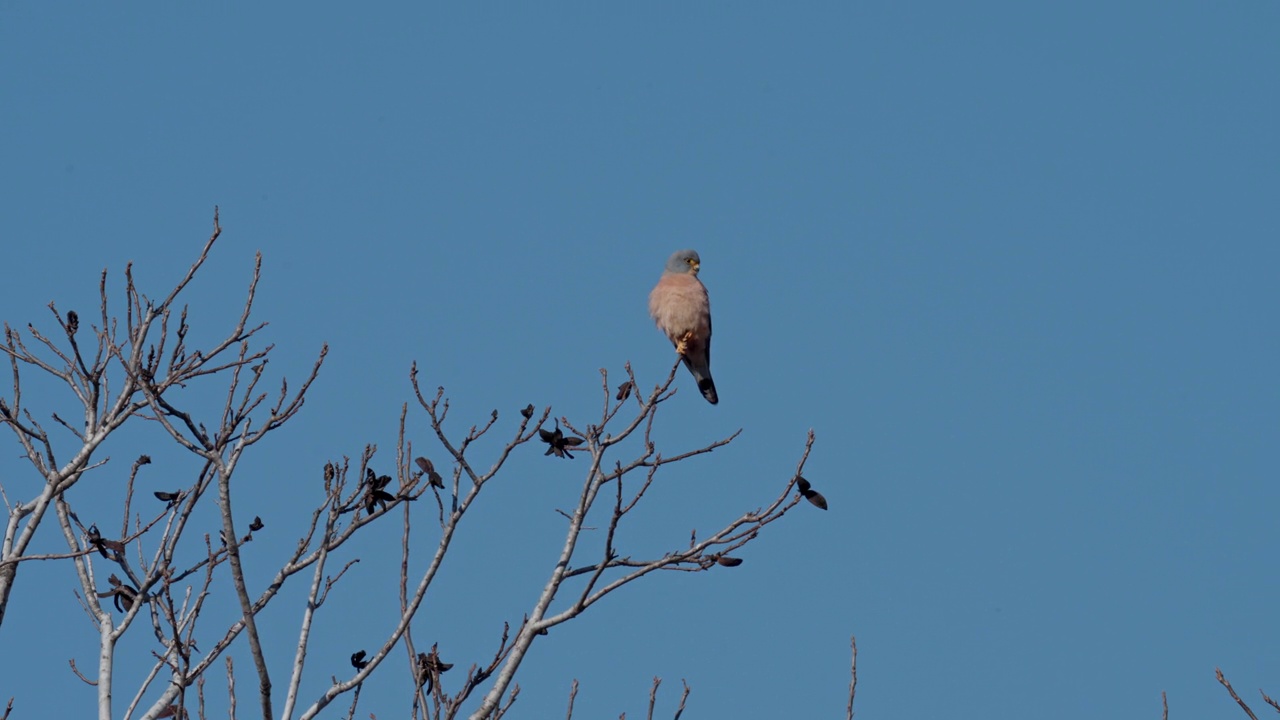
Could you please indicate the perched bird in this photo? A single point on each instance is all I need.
(681, 308)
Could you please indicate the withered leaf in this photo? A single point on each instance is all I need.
(96, 541)
(122, 595)
(429, 665)
(558, 443)
(624, 391)
(357, 660)
(727, 561)
(527, 412)
(432, 662)
(429, 469)
(376, 497)
(256, 525)
(813, 496)
(124, 598)
(73, 322)
(816, 498)
(169, 497)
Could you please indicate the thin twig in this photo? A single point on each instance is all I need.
(1269, 701)
(653, 695)
(573, 693)
(684, 695)
(853, 674)
(1222, 679)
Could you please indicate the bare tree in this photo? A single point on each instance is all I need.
(136, 366)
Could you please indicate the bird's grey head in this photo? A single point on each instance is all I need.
(684, 261)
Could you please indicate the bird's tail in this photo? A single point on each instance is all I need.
(705, 384)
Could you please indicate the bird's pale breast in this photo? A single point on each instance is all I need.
(679, 305)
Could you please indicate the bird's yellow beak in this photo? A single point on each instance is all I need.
(694, 266)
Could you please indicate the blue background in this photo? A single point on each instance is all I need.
(1015, 263)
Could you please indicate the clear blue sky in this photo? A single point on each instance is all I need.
(1015, 264)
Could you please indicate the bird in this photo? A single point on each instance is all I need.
(680, 307)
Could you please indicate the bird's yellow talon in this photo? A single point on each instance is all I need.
(682, 345)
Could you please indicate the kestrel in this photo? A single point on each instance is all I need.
(681, 308)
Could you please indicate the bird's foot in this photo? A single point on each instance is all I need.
(682, 345)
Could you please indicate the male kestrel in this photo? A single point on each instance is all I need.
(681, 308)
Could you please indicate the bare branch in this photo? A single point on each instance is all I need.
(573, 694)
(684, 695)
(231, 688)
(853, 674)
(653, 696)
(700, 556)
(1267, 699)
(148, 365)
(1222, 679)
